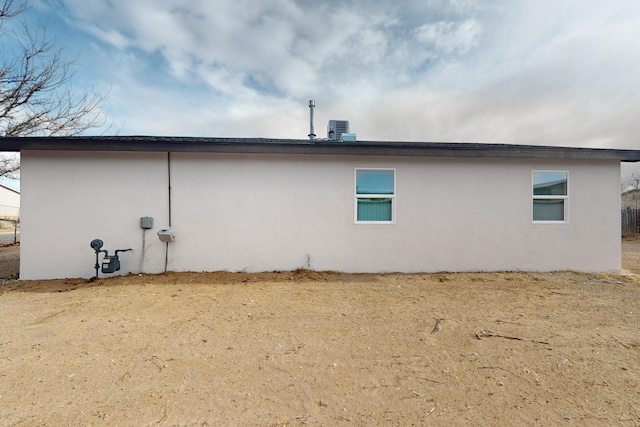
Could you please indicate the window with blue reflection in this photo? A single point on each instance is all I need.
(550, 196)
(374, 181)
(375, 193)
(549, 183)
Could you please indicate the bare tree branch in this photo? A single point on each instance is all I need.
(36, 98)
(10, 166)
(8, 10)
(633, 181)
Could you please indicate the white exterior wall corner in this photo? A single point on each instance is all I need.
(256, 213)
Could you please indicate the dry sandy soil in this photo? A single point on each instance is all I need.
(305, 348)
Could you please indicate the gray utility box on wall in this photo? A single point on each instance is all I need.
(146, 222)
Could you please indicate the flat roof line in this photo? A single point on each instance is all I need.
(307, 147)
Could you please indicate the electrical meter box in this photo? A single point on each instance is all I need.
(166, 235)
(146, 222)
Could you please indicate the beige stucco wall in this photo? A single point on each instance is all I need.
(261, 213)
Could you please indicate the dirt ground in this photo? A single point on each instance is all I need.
(305, 348)
(9, 262)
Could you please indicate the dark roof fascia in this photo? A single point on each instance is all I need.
(298, 146)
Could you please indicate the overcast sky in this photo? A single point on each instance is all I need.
(544, 72)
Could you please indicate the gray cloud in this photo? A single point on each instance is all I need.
(545, 72)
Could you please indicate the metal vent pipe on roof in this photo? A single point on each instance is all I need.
(312, 105)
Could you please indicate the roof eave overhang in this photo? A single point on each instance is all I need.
(317, 147)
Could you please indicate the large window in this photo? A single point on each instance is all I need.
(550, 196)
(375, 196)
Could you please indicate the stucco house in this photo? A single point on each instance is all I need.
(9, 203)
(245, 204)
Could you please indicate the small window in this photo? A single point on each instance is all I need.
(375, 195)
(550, 196)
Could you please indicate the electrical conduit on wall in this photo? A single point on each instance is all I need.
(166, 253)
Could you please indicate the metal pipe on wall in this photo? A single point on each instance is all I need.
(166, 250)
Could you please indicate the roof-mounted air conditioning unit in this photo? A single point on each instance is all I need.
(336, 128)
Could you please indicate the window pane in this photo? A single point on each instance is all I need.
(548, 210)
(549, 183)
(374, 181)
(374, 209)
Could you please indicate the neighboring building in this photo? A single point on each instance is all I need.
(631, 199)
(253, 205)
(9, 203)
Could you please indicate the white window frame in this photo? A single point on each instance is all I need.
(550, 197)
(373, 196)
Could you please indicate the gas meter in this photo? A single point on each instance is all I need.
(110, 263)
